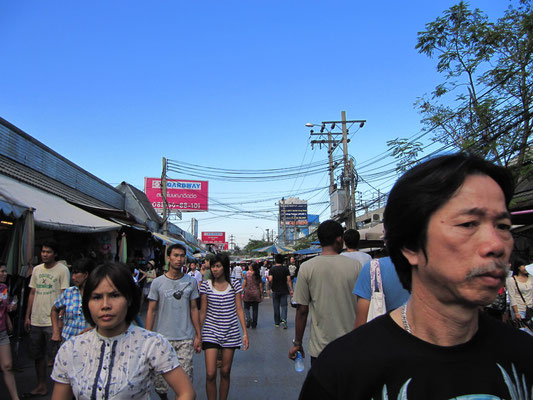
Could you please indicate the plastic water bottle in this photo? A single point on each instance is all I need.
(299, 363)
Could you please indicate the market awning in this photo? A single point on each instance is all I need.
(10, 208)
(52, 212)
(170, 240)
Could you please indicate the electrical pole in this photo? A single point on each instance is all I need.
(164, 196)
(348, 181)
(268, 238)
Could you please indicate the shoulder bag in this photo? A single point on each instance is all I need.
(377, 301)
(529, 310)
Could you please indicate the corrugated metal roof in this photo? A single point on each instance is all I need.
(18, 146)
(34, 178)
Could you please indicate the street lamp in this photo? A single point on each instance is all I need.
(258, 227)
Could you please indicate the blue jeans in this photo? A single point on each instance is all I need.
(279, 299)
(255, 307)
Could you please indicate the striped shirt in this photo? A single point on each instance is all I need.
(221, 325)
(74, 321)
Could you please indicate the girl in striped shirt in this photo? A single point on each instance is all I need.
(220, 315)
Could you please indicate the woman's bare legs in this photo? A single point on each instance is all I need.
(225, 372)
(211, 373)
(9, 377)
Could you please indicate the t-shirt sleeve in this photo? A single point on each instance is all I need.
(301, 293)
(363, 287)
(65, 278)
(163, 357)
(312, 389)
(237, 285)
(33, 278)
(153, 294)
(62, 364)
(203, 287)
(60, 301)
(194, 292)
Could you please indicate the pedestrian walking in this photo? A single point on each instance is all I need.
(220, 315)
(172, 312)
(253, 294)
(70, 303)
(48, 281)
(447, 229)
(6, 361)
(281, 284)
(117, 359)
(520, 288)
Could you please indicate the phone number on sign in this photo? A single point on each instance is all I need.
(185, 205)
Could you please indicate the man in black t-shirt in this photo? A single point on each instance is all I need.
(281, 286)
(447, 229)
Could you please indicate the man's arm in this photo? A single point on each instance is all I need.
(361, 312)
(27, 321)
(299, 328)
(195, 318)
(150, 314)
(289, 282)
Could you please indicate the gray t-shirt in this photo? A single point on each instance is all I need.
(173, 317)
(325, 284)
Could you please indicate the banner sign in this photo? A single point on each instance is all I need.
(214, 237)
(182, 194)
(292, 214)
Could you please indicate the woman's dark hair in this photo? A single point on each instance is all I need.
(121, 277)
(518, 262)
(423, 190)
(224, 260)
(83, 266)
(257, 275)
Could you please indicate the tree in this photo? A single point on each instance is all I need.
(484, 104)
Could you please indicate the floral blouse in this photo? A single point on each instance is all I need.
(119, 367)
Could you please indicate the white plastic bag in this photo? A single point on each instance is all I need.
(377, 301)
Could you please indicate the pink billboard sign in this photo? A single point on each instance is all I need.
(214, 237)
(182, 194)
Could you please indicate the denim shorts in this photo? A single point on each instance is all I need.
(4, 339)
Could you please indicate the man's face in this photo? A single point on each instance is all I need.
(176, 259)
(48, 255)
(468, 246)
(193, 267)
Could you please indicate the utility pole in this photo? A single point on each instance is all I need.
(348, 181)
(232, 242)
(164, 196)
(268, 238)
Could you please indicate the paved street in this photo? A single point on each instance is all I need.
(261, 372)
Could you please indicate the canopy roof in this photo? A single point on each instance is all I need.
(51, 212)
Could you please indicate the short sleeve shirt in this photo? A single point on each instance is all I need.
(121, 367)
(395, 294)
(74, 321)
(279, 275)
(173, 319)
(325, 284)
(48, 284)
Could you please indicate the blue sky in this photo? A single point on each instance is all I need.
(114, 86)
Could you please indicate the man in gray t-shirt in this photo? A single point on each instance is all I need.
(172, 312)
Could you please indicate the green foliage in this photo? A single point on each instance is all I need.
(255, 244)
(484, 105)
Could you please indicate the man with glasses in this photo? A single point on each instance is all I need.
(173, 312)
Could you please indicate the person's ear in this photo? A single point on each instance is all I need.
(412, 256)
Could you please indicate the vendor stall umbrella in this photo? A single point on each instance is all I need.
(275, 249)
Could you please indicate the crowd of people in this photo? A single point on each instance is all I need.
(435, 318)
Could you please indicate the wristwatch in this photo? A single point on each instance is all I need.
(296, 343)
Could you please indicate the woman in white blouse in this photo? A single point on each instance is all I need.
(117, 360)
(520, 288)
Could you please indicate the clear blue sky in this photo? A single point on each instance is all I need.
(114, 86)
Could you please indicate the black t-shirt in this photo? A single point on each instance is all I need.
(380, 360)
(279, 275)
